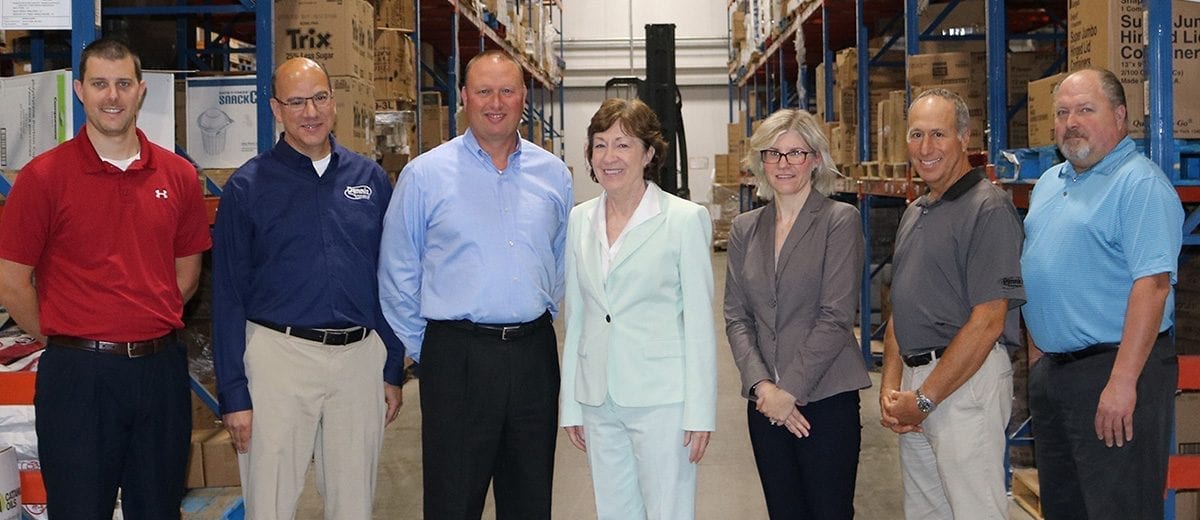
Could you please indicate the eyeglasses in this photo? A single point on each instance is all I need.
(794, 157)
(296, 104)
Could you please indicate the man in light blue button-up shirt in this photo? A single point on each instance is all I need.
(470, 276)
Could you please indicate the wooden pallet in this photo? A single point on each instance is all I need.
(895, 170)
(1025, 491)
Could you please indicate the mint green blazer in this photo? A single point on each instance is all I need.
(642, 334)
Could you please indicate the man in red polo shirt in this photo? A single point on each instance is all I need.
(100, 245)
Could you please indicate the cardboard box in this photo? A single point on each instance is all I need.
(220, 460)
(891, 142)
(395, 14)
(435, 126)
(222, 120)
(10, 485)
(395, 61)
(195, 467)
(339, 34)
(1111, 35)
(939, 69)
(355, 122)
(843, 143)
(1041, 110)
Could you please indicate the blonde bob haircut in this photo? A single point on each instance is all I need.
(807, 127)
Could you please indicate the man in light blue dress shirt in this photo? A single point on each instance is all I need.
(471, 274)
(1102, 242)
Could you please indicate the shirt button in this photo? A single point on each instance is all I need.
(924, 212)
(771, 303)
(510, 243)
(608, 318)
(1064, 194)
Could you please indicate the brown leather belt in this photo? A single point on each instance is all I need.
(131, 349)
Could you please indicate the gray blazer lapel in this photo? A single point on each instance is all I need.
(804, 222)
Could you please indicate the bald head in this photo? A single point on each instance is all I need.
(295, 68)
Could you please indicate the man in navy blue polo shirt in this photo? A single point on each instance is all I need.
(1101, 255)
(303, 355)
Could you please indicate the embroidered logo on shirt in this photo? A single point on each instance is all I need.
(1012, 282)
(358, 192)
(160, 194)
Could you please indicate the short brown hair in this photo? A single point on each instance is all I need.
(109, 49)
(637, 120)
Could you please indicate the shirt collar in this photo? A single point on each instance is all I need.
(97, 165)
(649, 207)
(473, 145)
(961, 186)
(1117, 155)
(299, 161)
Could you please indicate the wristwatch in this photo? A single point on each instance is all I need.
(924, 404)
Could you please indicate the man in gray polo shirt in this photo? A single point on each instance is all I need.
(947, 378)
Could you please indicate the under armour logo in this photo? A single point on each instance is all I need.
(160, 194)
(358, 192)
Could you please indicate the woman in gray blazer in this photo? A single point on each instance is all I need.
(791, 292)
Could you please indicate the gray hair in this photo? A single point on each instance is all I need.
(962, 114)
(804, 124)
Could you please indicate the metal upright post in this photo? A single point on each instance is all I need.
(997, 78)
(84, 29)
(827, 63)
(864, 96)
(264, 61)
(912, 41)
(1160, 126)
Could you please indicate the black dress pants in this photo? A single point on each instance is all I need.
(106, 422)
(1080, 477)
(810, 478)
(489, 414)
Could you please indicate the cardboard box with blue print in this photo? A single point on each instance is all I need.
(222, 120)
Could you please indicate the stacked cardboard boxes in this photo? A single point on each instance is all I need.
(355, 122)
(1111, 35)
(395, 60)
(1041, 110)
(395, 14)
(726, 168)
(953, 71)
(891, 129)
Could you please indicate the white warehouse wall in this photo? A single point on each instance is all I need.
(598, 40)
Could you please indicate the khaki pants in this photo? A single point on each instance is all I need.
(955, 469)
(312, 399)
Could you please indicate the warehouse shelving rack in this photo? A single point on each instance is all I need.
(1017, 169)
(469, 27)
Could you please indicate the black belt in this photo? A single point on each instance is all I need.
(920, 360)
(328, 337)
(506, 332)
(1092, 350)
(131, 349)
